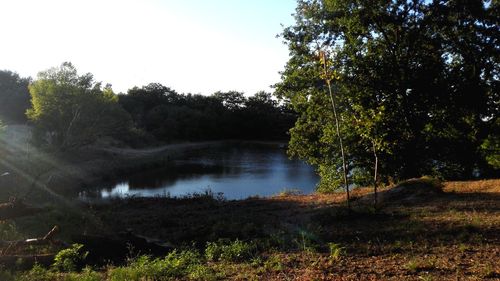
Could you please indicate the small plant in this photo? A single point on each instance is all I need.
(335, 251)
(306, 241)
(412, 266)
(463, 247)
(426, 263)
(87, 274)
(38, 273)
(425, 277)
(233, 251)
(71, 259)
(273, 263)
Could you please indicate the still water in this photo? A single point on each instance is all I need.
(236, 170)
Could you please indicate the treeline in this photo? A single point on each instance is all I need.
(170, 116)
(69, 110)
(411, 88)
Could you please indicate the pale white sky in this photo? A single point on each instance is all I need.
(197, 46)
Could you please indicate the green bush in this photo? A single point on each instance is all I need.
(71, 259)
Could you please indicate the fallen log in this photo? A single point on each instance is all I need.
(48, 239)
(17, 208)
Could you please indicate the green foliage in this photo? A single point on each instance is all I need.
(274, 263)
(405, 87)
(87, 274)
(306, 241)
(174, 265)
(336, 251)
(38, 273)
(169, 116)
(14, 97)
(71, 259)
(69, 110)
(233, 251)
(491, 150)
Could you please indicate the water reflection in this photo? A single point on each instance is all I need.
(237, 170)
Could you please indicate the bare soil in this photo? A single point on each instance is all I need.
(450, 235)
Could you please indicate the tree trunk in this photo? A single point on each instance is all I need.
(11, 246)
(375, 175)
(337, 125)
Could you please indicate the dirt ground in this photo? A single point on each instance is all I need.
(453, 235)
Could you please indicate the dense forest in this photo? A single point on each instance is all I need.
(69, 111)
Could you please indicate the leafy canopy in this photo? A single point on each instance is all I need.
(69, 110)
(416, 80)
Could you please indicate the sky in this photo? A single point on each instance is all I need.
(191, 46)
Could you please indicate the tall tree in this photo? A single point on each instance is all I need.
(418, 85)
(69, 110)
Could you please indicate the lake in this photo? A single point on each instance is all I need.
(238, 170)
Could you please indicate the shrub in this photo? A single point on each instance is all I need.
(71, 259)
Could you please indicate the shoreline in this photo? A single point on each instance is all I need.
(69, 173)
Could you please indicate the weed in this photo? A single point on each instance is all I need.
(71, 259)
(463, 247)
(38, 273)
(203, 272)
(426, 277)
(87, 274)
(335, 251)
(426, 263)
(290, 192)
(8, 231)
(273, 263)
(174, 265)
(306, 241)
(229, 251)
(412, 266)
